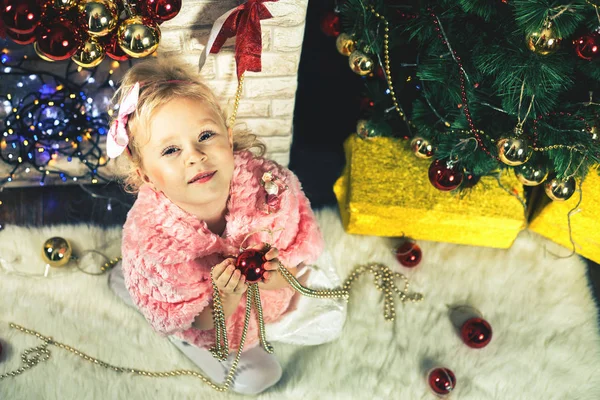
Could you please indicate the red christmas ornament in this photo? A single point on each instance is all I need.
(586, 46)
(58, 40)
(366, 104)
(25, 38)
(112, 48)
(476, 333)
(20, 16)
(442, 381)
(251, 263)
(470, 180)
(443, 176)
(409, 254)
(330, 24)
(160, 10)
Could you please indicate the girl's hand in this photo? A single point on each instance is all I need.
(229, 279)
(272, 264)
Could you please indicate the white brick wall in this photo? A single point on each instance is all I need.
(267, 103)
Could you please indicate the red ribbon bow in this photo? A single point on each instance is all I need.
(244, 22)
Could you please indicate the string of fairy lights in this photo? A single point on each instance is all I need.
(47, 118)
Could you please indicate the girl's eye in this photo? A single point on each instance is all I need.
(205, 136)
(169, 151)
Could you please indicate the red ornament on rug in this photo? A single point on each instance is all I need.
(20, 16)
(476, 333)
(251, 263)
(160, 10)
(330, 24)
(58, 40)
(470, 180)
(444, 176)
(441, 381)
(409, 254)
(18, 38)
(586, 46)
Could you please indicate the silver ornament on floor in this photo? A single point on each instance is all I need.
(560, 189)
(531, 174)
(514, 151)
(421, 147)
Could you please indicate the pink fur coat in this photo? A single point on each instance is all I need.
(168, 253)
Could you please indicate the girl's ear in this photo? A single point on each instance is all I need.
(140, 173)
(230, 133)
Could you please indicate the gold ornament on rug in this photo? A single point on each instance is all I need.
(421, 147)
(98, 17)
(90, 53)
(544, 42)
(531, 174)
(514, 150)
(365, 129)
(57, 252)
(138, 37)
(345, 44)
(360, 63)
(560, 189)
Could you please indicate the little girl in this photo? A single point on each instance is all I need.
(202, 196)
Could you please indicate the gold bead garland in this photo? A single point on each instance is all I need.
(384, 281)
(238, 96)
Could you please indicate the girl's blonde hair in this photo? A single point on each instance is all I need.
(162, 80)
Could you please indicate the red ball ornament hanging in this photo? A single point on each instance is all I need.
(441, 381)
(112, 48)
(444, 175)
(22, 39)
(409, 254)
(470, 180)
(160, 10)
(330, 24)
(20, 16)
(251, 263)
(586, 47)
(58, 40)
(476, 333)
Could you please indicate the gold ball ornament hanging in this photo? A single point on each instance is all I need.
(544, 42)
(530, 174)
(422, 148)
(90, 54)
(594, 134)
(98, 17)
(365, 129)
(138, 37)
(56, 251)
(513, 151)
(360, 63)
(345, 44)
(560, 189)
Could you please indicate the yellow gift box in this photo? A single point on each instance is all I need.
(385, 191)
(551, 218)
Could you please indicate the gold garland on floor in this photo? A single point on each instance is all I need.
(384, 281)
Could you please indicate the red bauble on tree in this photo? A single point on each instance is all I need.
(441, 381)
(409, 254)
(58, 40)
(476, 333)
(330, 24)
(112, 48)
(445, 176)
(23, 39)
(251, 263)
(20, 16)
(160, 10)
(470, 180)
(586, 47)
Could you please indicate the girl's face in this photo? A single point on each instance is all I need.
(189, 156)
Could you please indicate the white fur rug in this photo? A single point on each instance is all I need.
(546, 343)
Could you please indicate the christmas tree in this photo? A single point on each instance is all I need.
(480, 86)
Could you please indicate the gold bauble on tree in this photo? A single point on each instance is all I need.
(365, 128)
(89, 54)
(360, 63)
(513, 151)
(56, 251)
(545, 41)
(531, 174)
(138, 37)
(594, 134)
(345, 44)
(98, 17)
(560, 189)
(61, 5)
(421, 147)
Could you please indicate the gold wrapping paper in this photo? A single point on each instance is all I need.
(550, 219)
(385, 191)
